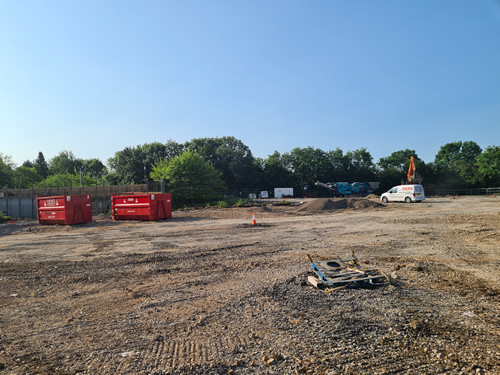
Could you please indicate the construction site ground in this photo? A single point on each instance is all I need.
(207, 292)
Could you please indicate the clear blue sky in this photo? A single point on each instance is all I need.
(96, 76)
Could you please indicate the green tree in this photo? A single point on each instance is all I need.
(339, 164)
(455, 163)
(6, 170)
(393, 169)
(135, 163)
(159, 171)
(129, 165)
(189, 177)
(25, 177)
(274, 172)
(488, 164)
(94, 168)
(41, 166)
(399, 161)
(452, 152)
(173, 149)
(308, 165)
(360, 166)
(65, 162)
(28, 164)
(230, 156)
(65, 180)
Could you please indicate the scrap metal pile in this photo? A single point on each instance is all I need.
(339, 273)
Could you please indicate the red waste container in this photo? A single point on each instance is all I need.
(152, 206)
(64, 209)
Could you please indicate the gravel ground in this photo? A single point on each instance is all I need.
(208, 293)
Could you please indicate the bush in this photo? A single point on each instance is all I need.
(240, 203)
(3, 218)
(221, 204)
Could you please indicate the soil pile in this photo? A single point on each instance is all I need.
(362, 203)
(319, 205)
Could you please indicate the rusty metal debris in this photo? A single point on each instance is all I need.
(339, 273)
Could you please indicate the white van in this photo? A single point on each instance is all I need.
(404, 193)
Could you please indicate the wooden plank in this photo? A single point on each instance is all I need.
(315, 282)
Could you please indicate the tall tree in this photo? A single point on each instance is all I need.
(274, 172)
(230, 156)
(129, 165)
(392, 170)
(360, 166)
(41, 166)
(488, 164)
(28, 164)
(65, 162)
(6, 170)
(339, 166)
(459, 151)
(135, 163)
(173, 149)
(189, 177)
(456, 163)
(308, 165)
(25, 177)
(399, 161)
(93, 167)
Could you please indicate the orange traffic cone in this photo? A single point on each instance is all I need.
(253, 219)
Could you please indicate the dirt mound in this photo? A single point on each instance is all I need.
(362, 203)
(325, 204)
(372, 196)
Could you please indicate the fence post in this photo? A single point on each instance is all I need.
(19, 197)
(103, 198)
(32, 201)
(45, 188)
(7, 200)
(133, 190)
(95, 198)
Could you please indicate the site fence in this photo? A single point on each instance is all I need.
(21, 203)
(474, 191)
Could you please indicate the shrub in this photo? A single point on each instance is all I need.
(3, 218)
(221, 204)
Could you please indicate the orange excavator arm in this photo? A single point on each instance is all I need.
(411, 171)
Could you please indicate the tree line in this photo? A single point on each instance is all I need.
(214, 164)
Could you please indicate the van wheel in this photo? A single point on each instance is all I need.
(408, 200)
(385, 200)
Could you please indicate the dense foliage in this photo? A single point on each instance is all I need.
(189, 177)
(204, 165)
